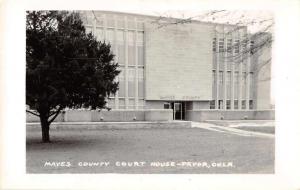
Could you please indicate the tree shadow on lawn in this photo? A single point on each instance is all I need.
(63, 142)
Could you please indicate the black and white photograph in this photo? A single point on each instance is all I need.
(112, 92)
(108, 94)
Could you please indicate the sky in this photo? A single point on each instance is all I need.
(256, 20)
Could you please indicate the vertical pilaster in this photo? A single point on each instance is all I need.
(224, 54)
(116, 58)
(217, 68)
(136, 93)
(126, 61)
(248, 73)
(240, 74)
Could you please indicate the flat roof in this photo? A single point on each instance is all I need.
(155, 17)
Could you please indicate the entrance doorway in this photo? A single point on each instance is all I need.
(178, 109)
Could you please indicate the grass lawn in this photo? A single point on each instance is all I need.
(70, 149)
(270, 130)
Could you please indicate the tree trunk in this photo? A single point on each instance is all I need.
(45, 129)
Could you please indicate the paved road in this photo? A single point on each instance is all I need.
(193, 150)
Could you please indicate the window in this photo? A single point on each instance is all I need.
(141, 82)
(120, 23)
(243, 104)
(244, 76)
(99, 21)
(140, 37)
(140, 25)
(221, 45)
(228, 105)
(131, 55)
(228, 84)
(236, 85)
(251, 104)
(229, 45)
(251, 85)
(140, 55)
(237, 46)
(130, 37)
(212, 104)
(110, 22)
(120, 36)
(122, 83)
(167, 105)
(252, 46)
(121, 54)
(131, 82)
(100, 34)
(131, 24)
(221, 84)
(214, 85)
(214, 48)
(131, 104)
(110, 35)
(121, 103)
(236, 104)
(141, 104)
(220, 104)
(244, 44)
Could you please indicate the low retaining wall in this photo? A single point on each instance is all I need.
(32, 118)
(159, 115)
(113, 115)
(112, 125)
(203, 115)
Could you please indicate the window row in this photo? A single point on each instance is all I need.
(135, 82)
(112, 35)
(135, 53)
(234, 85)
(132, 104)
(231, 46)
(228, 104)
(113, 22)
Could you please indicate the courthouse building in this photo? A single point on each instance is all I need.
(185, 71)
(185, 66)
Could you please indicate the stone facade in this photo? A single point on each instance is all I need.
(177, 62)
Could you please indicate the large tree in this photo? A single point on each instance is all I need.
(65, 66)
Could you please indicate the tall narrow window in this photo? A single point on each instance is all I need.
(141, 83)
(214, 85)
(236, 85)
(140, 55)
(252, 46)
(228, 84)
(131, 55)
(237, 46)
(221, 81)
(131, 82)
(214, 44)
(244, 76)
(212, 104)
(251, 86)
(221, 45)
(229, 45)
(100, 34)
(110, 35)
(122, 83)
(121, 54)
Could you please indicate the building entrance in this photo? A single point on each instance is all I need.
(178, 109)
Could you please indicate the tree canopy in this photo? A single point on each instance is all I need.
(65, 66)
